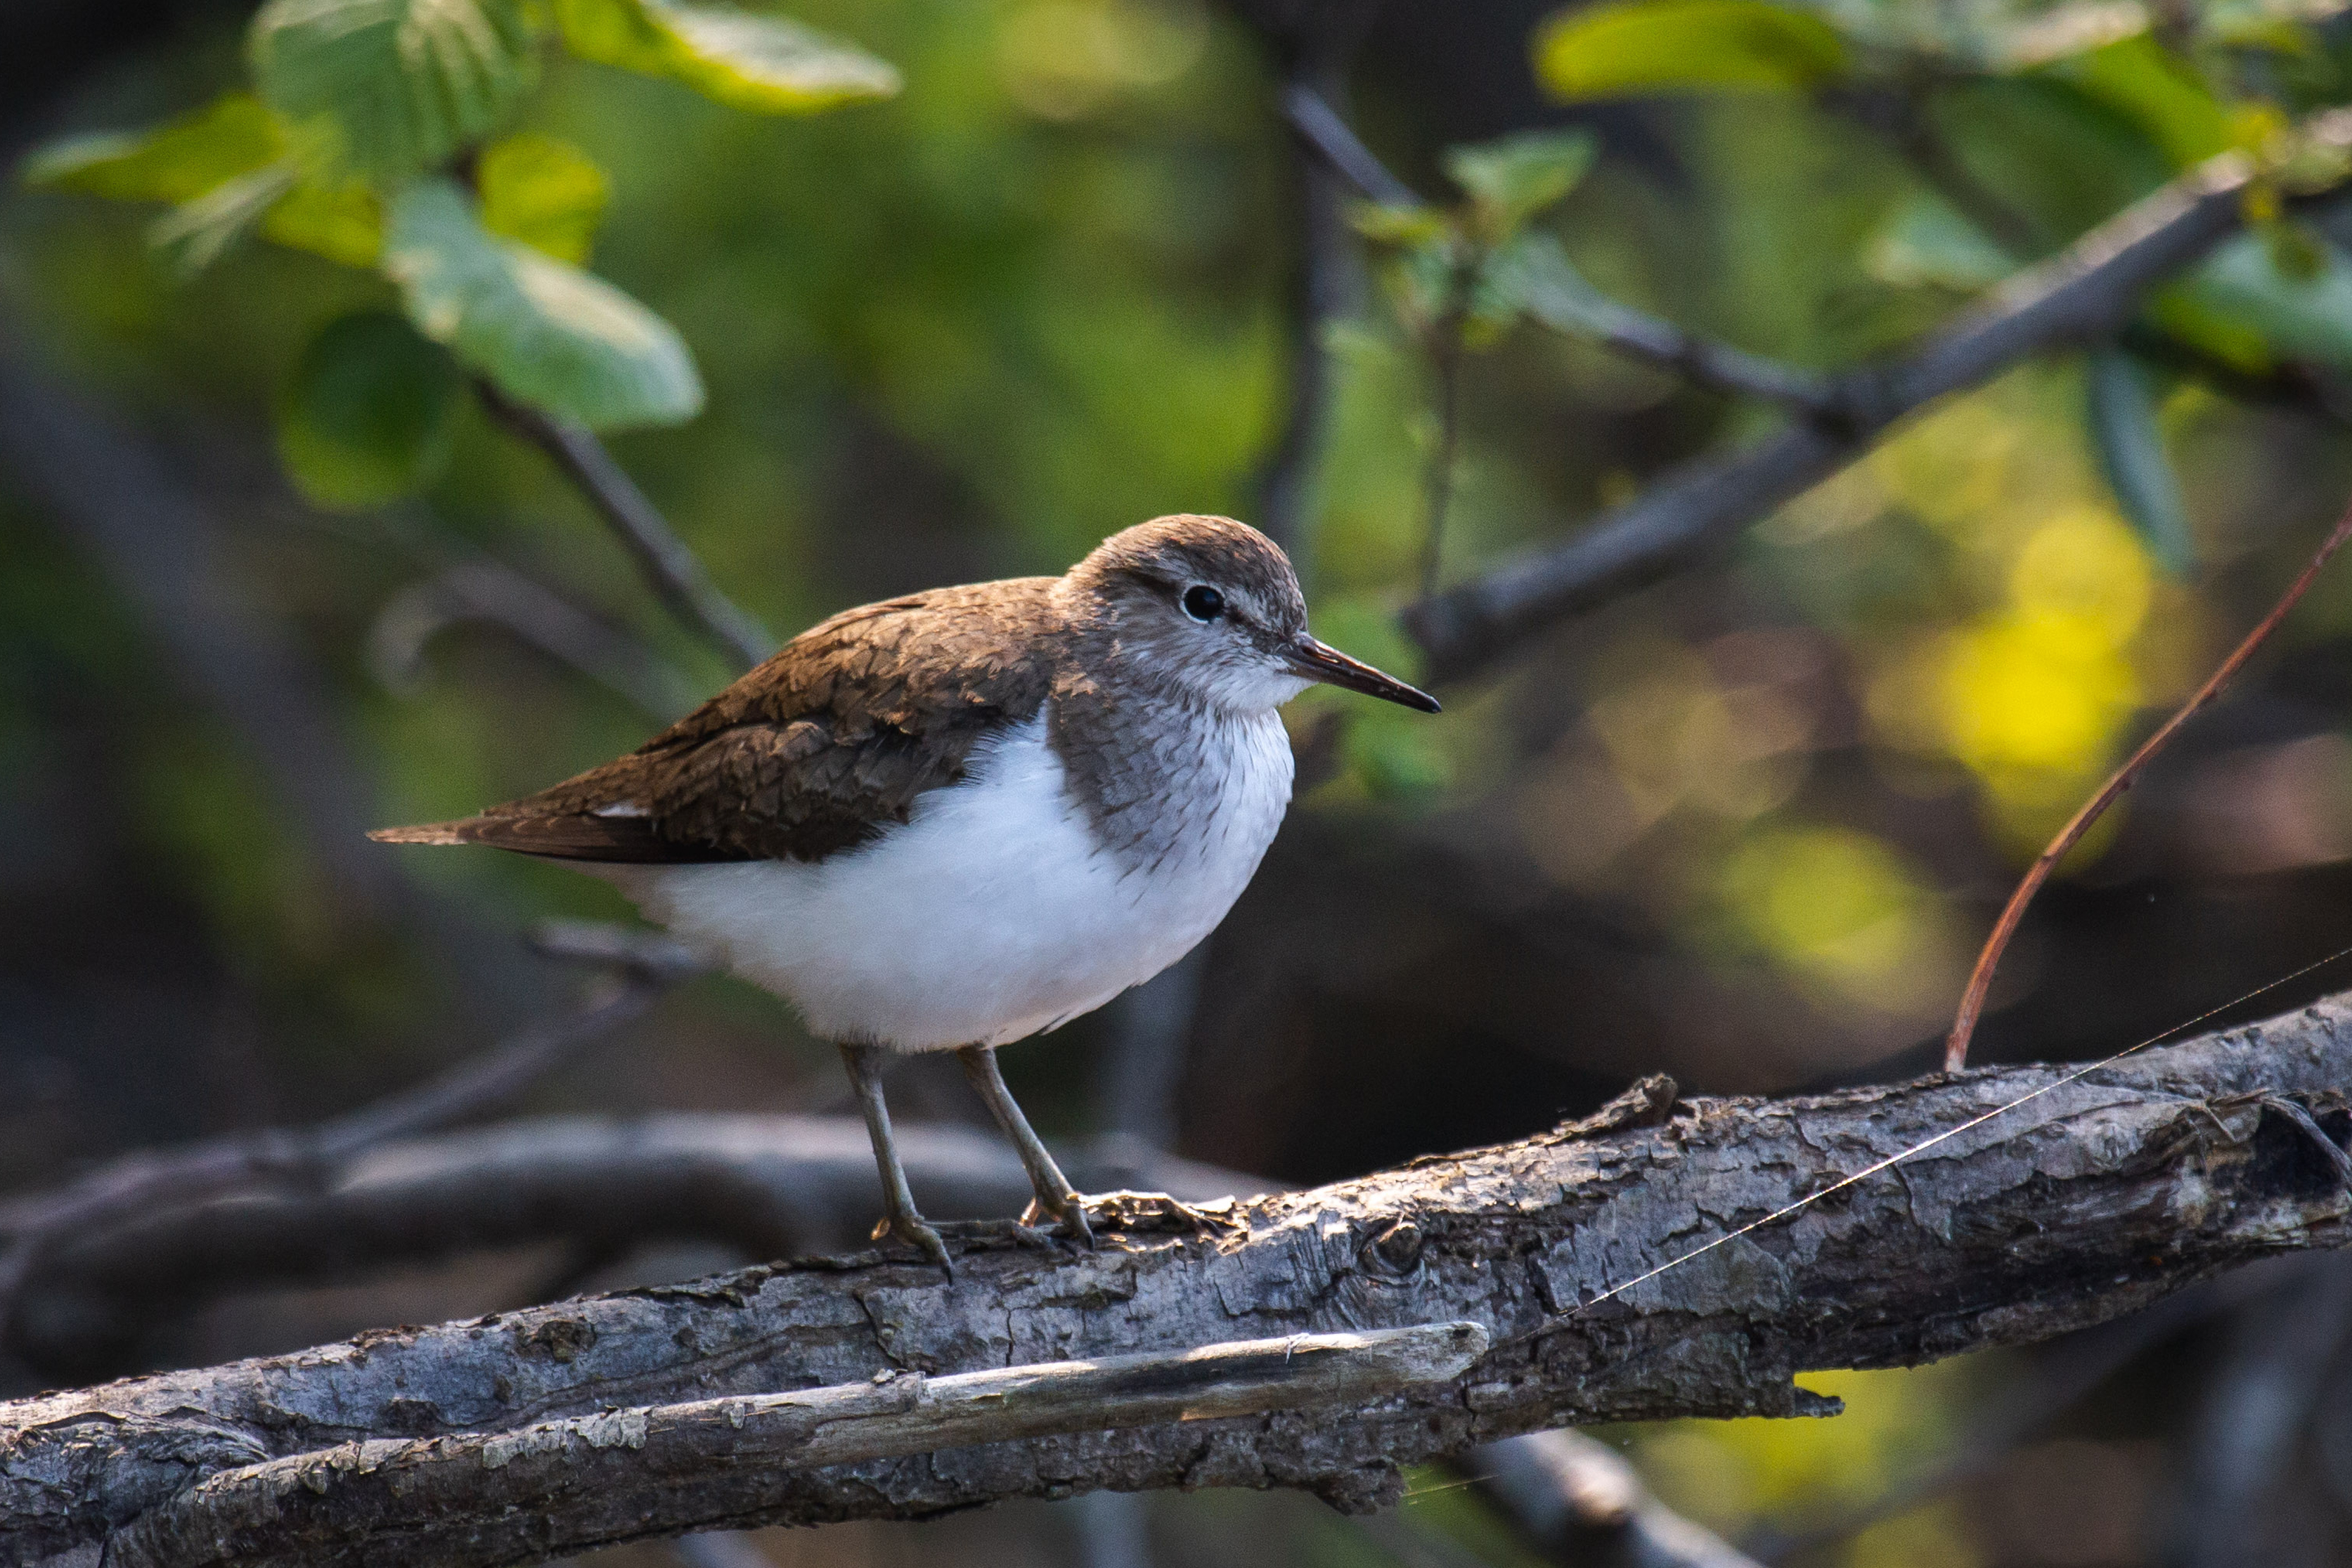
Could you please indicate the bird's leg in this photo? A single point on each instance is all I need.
(900, 1218)
(1055, 1196)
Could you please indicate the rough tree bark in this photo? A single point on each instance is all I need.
(2099, 1197)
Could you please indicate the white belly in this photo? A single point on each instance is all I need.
(991, 914)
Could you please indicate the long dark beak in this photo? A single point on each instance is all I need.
(1321, 661)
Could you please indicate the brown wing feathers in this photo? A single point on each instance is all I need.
(830, 741)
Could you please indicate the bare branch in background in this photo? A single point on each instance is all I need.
(2084, 294)
(2264, 1393)
(1718, 367)
(1143, 1068)
(1579, 1503)
(492, 593)
(2105, 1194)
(765, 1186)
(138, 1185)
(674, 572)
(1323, 289)
(2061, 1375)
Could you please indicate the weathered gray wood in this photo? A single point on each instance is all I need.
(2096, 1199)
(479, 1499)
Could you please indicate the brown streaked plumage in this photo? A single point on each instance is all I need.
(812, 752)
(959, 818)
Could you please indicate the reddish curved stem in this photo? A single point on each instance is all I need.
(1964, 1024)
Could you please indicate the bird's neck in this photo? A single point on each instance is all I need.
(1152, 765)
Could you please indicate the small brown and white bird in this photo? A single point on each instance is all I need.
(955, 820)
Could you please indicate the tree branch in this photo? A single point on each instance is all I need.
(2085, 293)
(1718, 367)
(2098, 1197)
(430, 1497)
(140, 1184)
(484, 589)
(768, 1187)
(1322, 287)
(1578, 1502)
(674, 572)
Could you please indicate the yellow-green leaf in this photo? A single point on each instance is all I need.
(1398, 226)
(386, 87)
(342, 223)
(545, 193)
(544, 333)
(1630, 48)
(176, 162)
(1512, 179)
(2141, 81)
(194, 234)
(369, 413)
(768, 65)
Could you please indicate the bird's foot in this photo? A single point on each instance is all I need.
(1136, 1213)
(1068, 1213)
(917, 1232)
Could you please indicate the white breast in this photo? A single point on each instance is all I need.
(993, 913)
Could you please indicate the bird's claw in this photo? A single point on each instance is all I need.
(916, 1232)
(1068, 1213)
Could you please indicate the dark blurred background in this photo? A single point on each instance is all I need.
(1744, 826)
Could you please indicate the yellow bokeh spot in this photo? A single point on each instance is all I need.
(1841, 907)
(2035, 698)
(2034, 693)
(2084, 568)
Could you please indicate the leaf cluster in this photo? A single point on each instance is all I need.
(2031, 122)
(384, 135)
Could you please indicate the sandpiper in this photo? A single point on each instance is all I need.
(958, 818)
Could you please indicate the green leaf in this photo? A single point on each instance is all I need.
(369, 413)
(765, 64)
(544, 333)
(223, 168)
(175, 162)
(1511, 179)
(2144, 83)
(386, 87)
(1629, 49)
(1925, 242)
(342, 223)
(2122, 416)
(1535, 275)
(545, 193)
(2240, 290)
(1398, 226)
(196, 232)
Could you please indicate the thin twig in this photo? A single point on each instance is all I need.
(1718, 367)
(1964, 1023)
(1445, 354)
(1327, 131)
(674, 572)
(138, 1184)
(489, 592)
(1322, 289)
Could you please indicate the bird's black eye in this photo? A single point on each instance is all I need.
(1203, 603)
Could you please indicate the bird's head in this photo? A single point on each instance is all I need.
(1212, 607)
